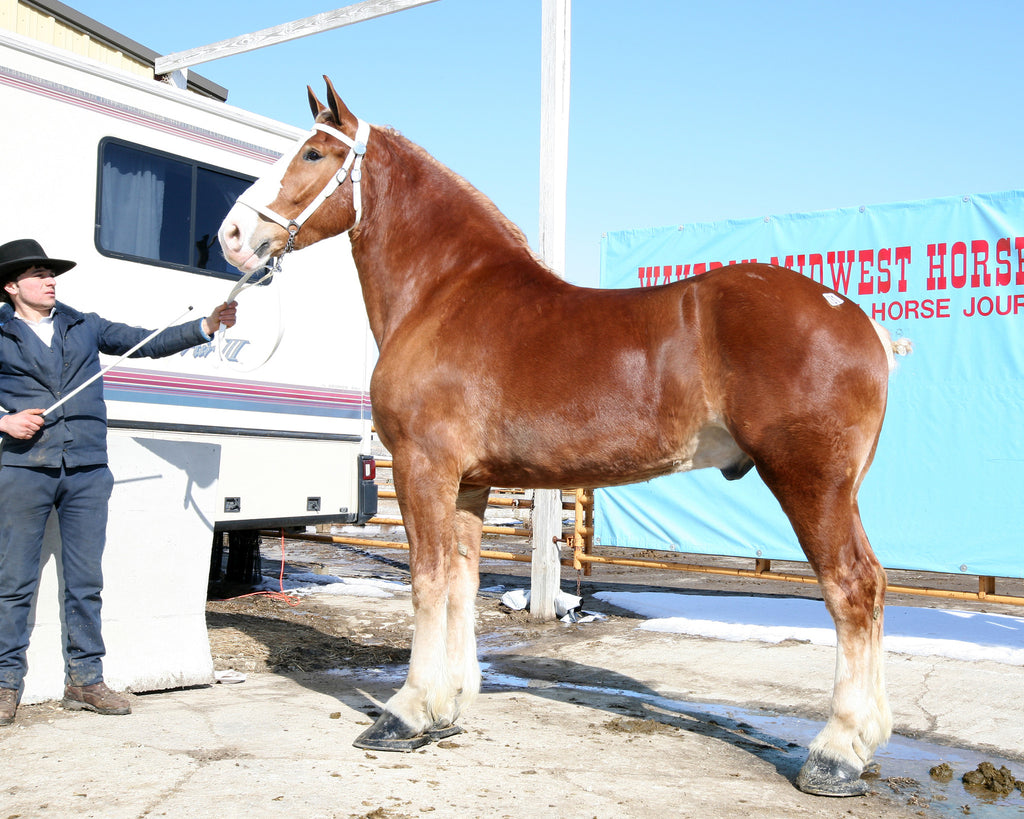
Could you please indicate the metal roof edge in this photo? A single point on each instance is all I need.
(105, 34)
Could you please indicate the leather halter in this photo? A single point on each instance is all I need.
(353, 162)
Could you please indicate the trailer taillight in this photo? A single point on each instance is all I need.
(367, 489)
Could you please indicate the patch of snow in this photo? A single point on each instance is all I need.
(962, 635)
(301, 583)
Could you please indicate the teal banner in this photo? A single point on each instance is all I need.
(945, 490)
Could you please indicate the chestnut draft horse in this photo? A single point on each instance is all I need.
(748, 365)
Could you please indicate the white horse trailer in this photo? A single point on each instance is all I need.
(267, 426)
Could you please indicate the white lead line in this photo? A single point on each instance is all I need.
(109, 367)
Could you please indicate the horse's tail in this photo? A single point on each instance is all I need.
(901, 346)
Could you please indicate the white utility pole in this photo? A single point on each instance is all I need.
(546, 570)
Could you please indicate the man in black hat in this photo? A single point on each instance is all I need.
(59, 460)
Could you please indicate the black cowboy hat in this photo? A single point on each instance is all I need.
(22, 254)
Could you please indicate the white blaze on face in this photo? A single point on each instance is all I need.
(239, 235)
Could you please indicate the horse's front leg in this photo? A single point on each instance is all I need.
(464, 582)
(427, 698)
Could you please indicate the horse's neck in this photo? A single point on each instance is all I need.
(406, 250)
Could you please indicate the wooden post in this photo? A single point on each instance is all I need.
(583, 534)
(179, 78)
(546, 570)
(355, 13)
(545, 567)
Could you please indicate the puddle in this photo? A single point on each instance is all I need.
(903, 764)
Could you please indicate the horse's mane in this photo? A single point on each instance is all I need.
(505, 225)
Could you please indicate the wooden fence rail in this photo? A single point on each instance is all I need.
(580, 537)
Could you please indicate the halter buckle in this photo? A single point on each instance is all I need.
(293, 228)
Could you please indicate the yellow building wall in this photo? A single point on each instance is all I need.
(31, 23)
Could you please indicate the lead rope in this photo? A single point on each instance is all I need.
(243, 283)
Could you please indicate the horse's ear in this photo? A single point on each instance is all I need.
(317, 107)
(341, 113)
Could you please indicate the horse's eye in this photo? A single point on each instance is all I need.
(312, 155)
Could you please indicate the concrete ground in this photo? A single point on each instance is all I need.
(595, 720)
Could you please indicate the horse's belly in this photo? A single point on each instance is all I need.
(589, 463)
(712, 447)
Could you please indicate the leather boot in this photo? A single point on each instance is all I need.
(96, 697)
(8, 705)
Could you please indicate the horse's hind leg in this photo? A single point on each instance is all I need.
(825, 516)
(859, 719)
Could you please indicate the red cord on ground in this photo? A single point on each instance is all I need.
(281, 595)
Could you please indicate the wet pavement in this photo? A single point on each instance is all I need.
(588, 720)
(280, 745)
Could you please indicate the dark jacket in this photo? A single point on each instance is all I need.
(35, 376)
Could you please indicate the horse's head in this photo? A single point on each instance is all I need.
(309, 195)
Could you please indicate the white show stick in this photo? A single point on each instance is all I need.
(109, 367)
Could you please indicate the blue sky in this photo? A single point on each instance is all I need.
(681, 112)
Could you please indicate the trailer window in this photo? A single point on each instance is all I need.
(163, 209)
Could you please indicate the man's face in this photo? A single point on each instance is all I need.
(35, 288)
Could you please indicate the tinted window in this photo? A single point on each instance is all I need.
(163, 209)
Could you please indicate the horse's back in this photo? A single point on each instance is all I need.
(766, 317)
(750, 323)
(786, 359)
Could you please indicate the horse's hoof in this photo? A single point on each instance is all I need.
(391, 733)
(829, 777)
(437, 732)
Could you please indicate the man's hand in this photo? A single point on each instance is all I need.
(222, 314)
(22, 425)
